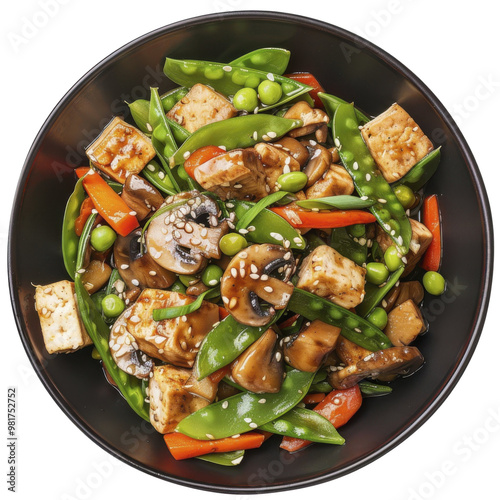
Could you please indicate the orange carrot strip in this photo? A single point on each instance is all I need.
(85, 211)
(313, 398)
(432, 220)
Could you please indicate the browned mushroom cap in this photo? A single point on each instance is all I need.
(139, 269)
(406, 290)
(388, 362)
(182, 239)
(141, 196)
(258, 272)
(294, 148)
(314, 120)
(125, 351)
(307, 350)
(319, 162)
(96, 274)
(260, 367)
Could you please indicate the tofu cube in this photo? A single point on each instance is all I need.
(201, 106)
(62, 328)
(326, 273)
(169, 401)
(121, 150)
(404, 323)
(336, 181)
(276, 161)
(420, 240)
(396, 142)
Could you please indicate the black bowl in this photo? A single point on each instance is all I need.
(347, 66)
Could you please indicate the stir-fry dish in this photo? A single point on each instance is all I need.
(247, 254)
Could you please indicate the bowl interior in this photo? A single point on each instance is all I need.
(353, 70)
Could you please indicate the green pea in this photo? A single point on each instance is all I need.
(405, 195)
(112, 305)
(232, 243)
(292, 181)
(378, 317)
(246, 99)
(102, 238)
(259, 59)
(287, 87)
(178, 287)
(384, 214)
(189, 68)
(395, 226)
(95, 354)
(434, 283)
(188, 279)
(212, 275)
(269, 92)
(168, 103)
(357, 230)
(392, 258)
(214, 73)
(239, 78)
(376, 273)
(252, 81)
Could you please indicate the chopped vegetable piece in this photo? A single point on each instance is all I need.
(342, 202)
(249, 216)
(431, 218)
(314, 398)
(200, 156)
(85, 211)
(176, 312)
(309, 79)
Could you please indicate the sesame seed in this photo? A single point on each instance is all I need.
(225, 404)
(336, 401)
(264, 277)
(337, 142)
(253, 425)
(243, 231)
(124, 266)
(357, 330)
(271, 134)
(227, 68)
(355, 165)
(255, 135)
(235, 436)
(233, 302)
(299, 391)
(195, 241)
(247, 420)
(268, 289)
(161, 175)
(278, 356)
(209, 436)
(234, 272)
(243, 255)
(254, 276)
(317, 268)
(243, 272)
(149, 127)
(135, 282)
(381, 200)
(237, 186)
(364, 198)
(265, 137)
(415, 129)
(152, 273)
(184, 318)
(254, 268)
(368, 177)
(276, 236)
(297, 241)
(213, 282)
(270, 76)
(132, 212)
(186, 155)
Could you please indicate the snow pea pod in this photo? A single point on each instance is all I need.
(374, 294)
(172, 97)
(249, 216)
(354, 328)
(69, 239)
(269, 227)
(304, 424)
(83, 242)
(331, 104)
(246, 411)
(268, 59)
(157, 177)
(228, 458)
(368, 180)
(238, 132)
(372, 389)
(421, 172)
(228, 80)
(346, 245)
(341, 202)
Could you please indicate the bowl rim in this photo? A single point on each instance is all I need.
(486, 226)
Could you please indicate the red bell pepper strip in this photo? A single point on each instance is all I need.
(338, 407)
(302, 219)
(85, 211)
(182, 446)
(310, 80)
(109, 205)
(310, 399)
(223, 313)
(432, 220)
(200, 156)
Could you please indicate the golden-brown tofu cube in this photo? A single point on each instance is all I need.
(326, 273)
(276, 161)
(121, 150)
(169, 401)
(62, 328)
(201, 106)
(396, 142)
(404, 323)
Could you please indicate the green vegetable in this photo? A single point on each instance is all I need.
(112, 305)
(342, 202)
(172, 97)
(270, 60)
(292, 181)
(348, 246)
(376, 273)
(434, 283)
(177, 311)
(246, 99)
(373, 389)
(357, 230)
(421, 172)
(212, 275)
(378, 317)
(83, 242)
(270, 92)
(392, 258)
(178, 287)
(238, 132)
(102, 238)
(331, 104)
(375, 294)
(188, 279)
(269, 227)
(157, 177)
(95, 353)
(405, 195)
(368, 180)
(69, 239)
(258, 207)
(354, 328)
(323, 386)
(232, 243)
(229, 458)
(228, 80)
(246, 411)
(304, 424)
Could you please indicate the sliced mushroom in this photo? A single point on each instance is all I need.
(386, 363)
(182, 239)
(404, 323)
(125, 351)
(294, 148)
(406, 290)
(258, 273)
(318, 164)
(307, 350)
(96, 274)
(260, 367)
(139, 269)
(350, 353)
(141, 196)
(314, 121)
(204, 388)
(196, 288)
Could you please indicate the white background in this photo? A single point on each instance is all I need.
(451, 45)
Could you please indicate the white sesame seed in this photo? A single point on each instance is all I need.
(381, 200)
(270, 76)
(243, 231)
(247, 420)
(336, 401)
(135, 282)
(355, 165)
(253, 425)
(186, 155)
(337, 142)
(278, 356)
(233, 302)
(209, 436)
(243, 255)
(276, 236)
(271, 134)
(255, 135)
(225, 404)
(149, 127)
(227, 68)
(368, 177)
(124, 266)
(254, 276)
(268, 289)
(132, 212)
(234, 272)
(265, 137)
(264, 277)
